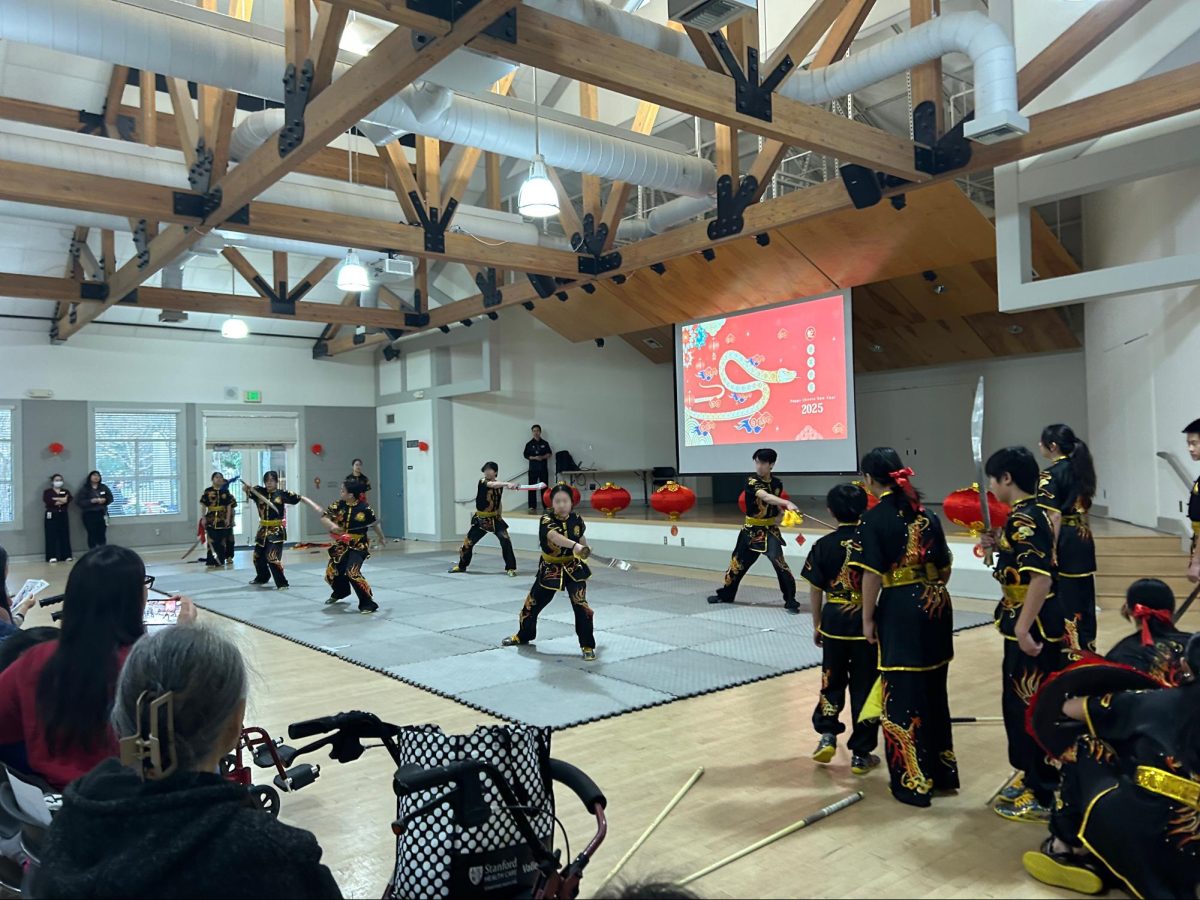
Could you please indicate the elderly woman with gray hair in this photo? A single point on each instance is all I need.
(166, 825)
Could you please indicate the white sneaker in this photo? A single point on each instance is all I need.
(52, 561)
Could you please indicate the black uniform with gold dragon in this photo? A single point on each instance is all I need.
(847, 660)
(350, 549)
(559, 570)
(759, 536)
(1025, 549)
(1193, 511)
(218, 506)
(271, 535)
(487, 520)
(914, 624)
(1075, 581)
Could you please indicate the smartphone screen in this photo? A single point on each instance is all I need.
(160, 614)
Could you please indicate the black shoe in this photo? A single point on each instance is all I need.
(282, 587)
(367, 610)
(258, 583)
(717, 598)
(333, 600)
(210, 564)
(792, 606)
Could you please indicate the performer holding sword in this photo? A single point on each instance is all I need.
(489, 501)
(348, 519)
(272, 529)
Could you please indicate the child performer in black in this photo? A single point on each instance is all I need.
(489, 500)
(1032, 622)
(272, 529)
(905, 562)
(1066, 490)
(563, 567)
(760, 533)
(348, 520)
(218, 504)
(847, 660)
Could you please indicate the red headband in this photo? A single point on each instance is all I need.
(901, 476)
(1143, 614)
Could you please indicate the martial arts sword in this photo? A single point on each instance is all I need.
(200, 530)
(620, 565)
(985, 515)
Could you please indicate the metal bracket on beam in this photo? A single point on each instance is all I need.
(433, 222)
(297, 87)
(142, 241)
(865, 186)
(658, 268)
(730, 206)
(751, 97)
(545, 285)
(93, 123)
(935, 154)
(320, 350)
(391, 354)
(504, 28)
(486, 282)
(200, 206)
(596, 261)
(416, 320)
(200, 172)
(93, 290)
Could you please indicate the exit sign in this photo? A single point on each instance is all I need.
(252, 396)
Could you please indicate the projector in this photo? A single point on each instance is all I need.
(172, 315)
(398, 265)
(709, 15)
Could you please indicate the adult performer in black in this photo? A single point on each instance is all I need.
(217, 505)
(760, 534)
(537, 452)
(1065, 490)
(348, 520)
(362, 486)
(1031, 621)
(1129, 807)
(272, 529)
(563, 567)
(489, 499)
(905, 562)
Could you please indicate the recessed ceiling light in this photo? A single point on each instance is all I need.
(1015, 329)
(875, 348)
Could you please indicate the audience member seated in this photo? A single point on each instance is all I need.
(1157, 647)
(11, 619)
(56, 698)
(168, 826)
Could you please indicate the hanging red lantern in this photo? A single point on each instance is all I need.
(574, 494)
(673, 500)
(56, 448)
(742, 500)
(610, 499)
(423, 446)
(962, 508)
(317, 449)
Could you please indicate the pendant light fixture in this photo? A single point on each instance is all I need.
(234, 328)
(352, 276)
(538, 197)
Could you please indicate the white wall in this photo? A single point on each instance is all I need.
(1142, 351)
(135, 367)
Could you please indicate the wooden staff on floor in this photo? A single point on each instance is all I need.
(975, 720)
(770, 839)
(658, 821)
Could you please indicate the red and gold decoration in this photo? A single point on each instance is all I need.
(423, 446)
(574, 494)
(610, 499)
(673, 500)
(962, 508)
(742, 500)
(317, 449)
(56, 448)
(872, 500)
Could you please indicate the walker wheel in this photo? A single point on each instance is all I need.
(267, 798)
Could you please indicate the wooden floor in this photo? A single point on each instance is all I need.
(752, 741)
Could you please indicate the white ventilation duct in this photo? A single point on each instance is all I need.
(210, 49)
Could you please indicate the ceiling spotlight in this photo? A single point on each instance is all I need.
(235, 329)
(352, 276)
(939, 289)
(444, 329)
(1015, 329)
(875, 348)
(929, 275)
(600, 343)
(493, 316)
(467, 323)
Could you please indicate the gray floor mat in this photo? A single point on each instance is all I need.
(657, 639)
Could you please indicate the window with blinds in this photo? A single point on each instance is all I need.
(137, 453)
(8, 506)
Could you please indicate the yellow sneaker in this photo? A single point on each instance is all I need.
(1024, 809)
(589, 654)
(1064, 870)
(826, 747)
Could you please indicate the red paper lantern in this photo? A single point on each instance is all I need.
(574, 495)
(742, 499)
(422, 446)
(56, 448)
(610, 499)
(962, 508)
(673, 500)
(317, 449)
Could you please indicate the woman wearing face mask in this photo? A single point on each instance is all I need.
(56, 499)
(94, 499)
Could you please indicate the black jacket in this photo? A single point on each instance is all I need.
(191, 835)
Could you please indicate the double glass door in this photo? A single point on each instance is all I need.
(249, 462)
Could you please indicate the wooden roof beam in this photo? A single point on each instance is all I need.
(390, 67)
(805, 34)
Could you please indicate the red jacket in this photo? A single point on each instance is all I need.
(20, 722)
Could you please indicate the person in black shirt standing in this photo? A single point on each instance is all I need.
(537, 452)
(348, 520)
(847, 660)
(760, 533)
(1031, 621)
(1193, 444)
(94, 498)
(1065, 490)
(489, 500)
(905, 562)
(218, 505)
(362, 485)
